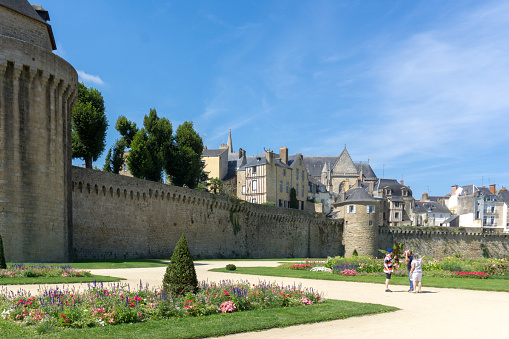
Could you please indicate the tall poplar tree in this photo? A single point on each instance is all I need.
(89, 124)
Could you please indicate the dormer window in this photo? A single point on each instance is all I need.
(388, 191)
(404, 192)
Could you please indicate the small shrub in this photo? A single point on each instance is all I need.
(180, 277)
(231, 267)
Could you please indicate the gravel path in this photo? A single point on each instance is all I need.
(435, 313)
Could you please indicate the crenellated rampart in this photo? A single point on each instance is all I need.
(442, 243)
(120, 217)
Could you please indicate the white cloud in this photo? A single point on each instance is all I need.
(89, 78)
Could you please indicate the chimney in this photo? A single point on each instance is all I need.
(242, 153)
(402, 182)
(371, 187)
(424, 197)
(269, 155)
(493, 188)
(453, 189)
(283, 154)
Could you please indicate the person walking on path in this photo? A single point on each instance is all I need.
(416, 272)
(388, 268)
(408, 258)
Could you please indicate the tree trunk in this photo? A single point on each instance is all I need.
(88, 162)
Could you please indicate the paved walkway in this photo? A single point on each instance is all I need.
(436, 313)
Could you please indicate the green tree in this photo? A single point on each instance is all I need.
(294, 203)
(216, 185)
(151, 147)
(185, 167)
(115, 158)
(89, 124)
(180, 277)
(3, 265)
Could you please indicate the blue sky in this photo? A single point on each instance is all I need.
(421, 88)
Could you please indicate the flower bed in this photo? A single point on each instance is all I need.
(116, 303)
(478, 275)
(22, 271)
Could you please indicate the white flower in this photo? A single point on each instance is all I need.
(320, 269)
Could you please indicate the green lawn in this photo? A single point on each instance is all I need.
(214, 325)
(501, 285)
(57, 280)
(108, 263)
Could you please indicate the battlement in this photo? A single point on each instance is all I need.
(119, 216)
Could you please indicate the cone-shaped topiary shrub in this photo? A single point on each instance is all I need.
(180, 277)
(2, 255)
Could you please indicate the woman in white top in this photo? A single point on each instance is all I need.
(416, 272)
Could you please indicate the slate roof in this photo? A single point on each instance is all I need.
(358, 194)
(450, 219)
(22, 7)
(504, 196)
(213, 152)
(430, 207)
(393, 184)
(315, 163)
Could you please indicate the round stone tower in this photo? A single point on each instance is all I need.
(361, 213)
(37, 92)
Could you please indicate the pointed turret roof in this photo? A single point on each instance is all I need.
(325, 168)
(229, 143)
(344, 164)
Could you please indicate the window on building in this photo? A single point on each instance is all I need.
(478, 214)
(351, 209)
(396, 204)
(302, 175)
(371, 223)
(255, 185)
(371, 208)
(280, 203)
(286, 204)
(287, 187)
(244, 189)
(302, 191)
(125, 167)
(405, 193)
(254, 169)
(284, 172)
(396, 215)
(388, 191)
(441, 215)
(297, 174)
(254, 200)
(492, 220)
(281, 186)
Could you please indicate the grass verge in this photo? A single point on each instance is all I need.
(57, 280)
(106, 264)
(499, 285)
(214, 325)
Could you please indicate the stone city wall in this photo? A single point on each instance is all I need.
(120, 217)
(443, 243)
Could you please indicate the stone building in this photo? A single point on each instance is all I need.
(38, 90)
(338, 173)
(269, 177)
(397, 206)
(362, 215)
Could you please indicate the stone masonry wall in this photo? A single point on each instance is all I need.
(121, 217)
(37, 92)
(439, 244)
